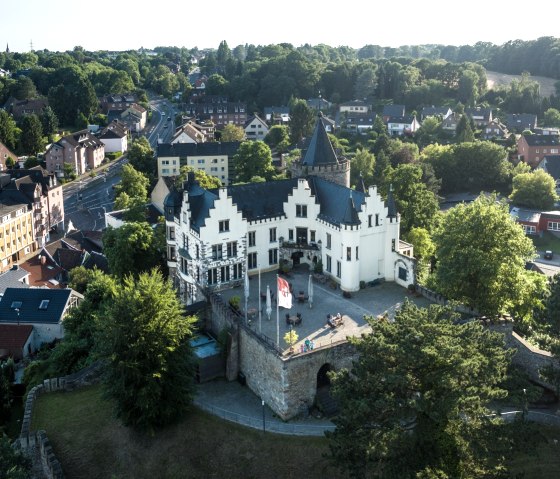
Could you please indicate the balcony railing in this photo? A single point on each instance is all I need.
(299, 245)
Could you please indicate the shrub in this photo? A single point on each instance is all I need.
(235, 302)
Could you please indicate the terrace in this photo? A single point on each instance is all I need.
(384, 298)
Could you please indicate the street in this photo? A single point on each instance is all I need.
(87, 200)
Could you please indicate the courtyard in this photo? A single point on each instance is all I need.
(313, 330)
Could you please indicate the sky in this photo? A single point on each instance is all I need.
(60, 25)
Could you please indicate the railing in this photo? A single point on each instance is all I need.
(269, 425)
(295, 245)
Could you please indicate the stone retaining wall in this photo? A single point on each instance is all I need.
(31, 441)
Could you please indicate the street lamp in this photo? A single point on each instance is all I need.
(523, 414)
(17, 311)
(264, 427)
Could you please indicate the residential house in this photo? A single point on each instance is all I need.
(6, 153)
(116, 102)
(15, 277)
(319, 104)
(116, 219)
(215, 158)
(402, 125)
(533, 148)
(115, 137)
(4, 73)
(255, 128)
(20, 108)
(16, 341)
(163, 187)
(547, 131)
(518, 122)
(528, 219)
(330, 125)
(551, 164)
(390, 111)
(81, 150)
(17, 237)
(190, 132)
(214, 235)
(217, 109)
(494, 130)
(449, 124)
(354, 106)
(42, 308)
(441, 112)
(277, 115)
(359, 122)
(480, 116)
(43, 194)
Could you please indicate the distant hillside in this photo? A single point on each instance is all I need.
(496, 79)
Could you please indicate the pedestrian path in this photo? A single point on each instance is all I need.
(236, 403)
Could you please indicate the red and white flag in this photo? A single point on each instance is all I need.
(284, 295)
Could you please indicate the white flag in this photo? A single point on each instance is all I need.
(284, 295)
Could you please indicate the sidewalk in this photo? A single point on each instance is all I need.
(236, 403)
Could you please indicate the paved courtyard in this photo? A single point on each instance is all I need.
(370, 301)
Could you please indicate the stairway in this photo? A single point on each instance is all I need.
(325, 402)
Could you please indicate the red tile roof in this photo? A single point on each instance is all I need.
(13, 337)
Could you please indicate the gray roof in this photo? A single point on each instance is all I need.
(434, 111)
(29, 300)
(319, 150)
(542, 140)
(228, 148)
(521, 121)
(552, 163)
(276, 109)
(394, 110)
(13, 278)
(406, 120)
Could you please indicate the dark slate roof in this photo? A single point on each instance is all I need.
(30, 299)
(485, 113)
(13, 278)
(228, 148)
(37, 174)
(354, 118)
(319, 150)
(552, 163)
(391, 206)
(350, 216)
(354, 103)
(521, 121)
(11, 201)
(333, 201)
(434, 111)
(542, 140)
(394, 110)
(262, 200)
(97, 260)
(405, 120)
(278, 110)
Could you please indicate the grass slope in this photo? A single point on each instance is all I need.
(91, 443)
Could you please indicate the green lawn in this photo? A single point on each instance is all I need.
(90, 443)
(548, 241)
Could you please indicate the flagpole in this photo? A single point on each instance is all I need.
(260, 302)
(277, 314)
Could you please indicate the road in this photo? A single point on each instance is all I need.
(87, 200)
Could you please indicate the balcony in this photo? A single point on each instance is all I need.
(295, 245)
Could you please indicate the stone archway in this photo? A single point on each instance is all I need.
(323, 399)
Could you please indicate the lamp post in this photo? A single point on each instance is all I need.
(524, 413)
(264, 427)
(17, 311)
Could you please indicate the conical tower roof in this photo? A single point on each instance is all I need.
(350, 215)
(320, 151)
(391, 206)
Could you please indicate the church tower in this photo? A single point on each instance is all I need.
(320, 159)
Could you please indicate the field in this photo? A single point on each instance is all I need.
(496, 79)
(90, 443)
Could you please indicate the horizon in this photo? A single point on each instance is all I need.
(60, 25)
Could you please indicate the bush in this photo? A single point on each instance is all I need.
(113, 156)
(362, 284)
(318, 267)
(235, 302)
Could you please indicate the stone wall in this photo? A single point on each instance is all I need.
(32, 441)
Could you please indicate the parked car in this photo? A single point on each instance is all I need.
(548, 254)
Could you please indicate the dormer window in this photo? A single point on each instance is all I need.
(16, 304)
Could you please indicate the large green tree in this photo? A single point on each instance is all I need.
(536, 189)
(481, 254)
(49, 121)
(31, 140)
(232, 132)
(150, 365)
(132, 249)
(9, 132)
(132, 193)
(278, 138)
(362, 167)
(205, 180)
(302, 120)
(253, 158)
(415, 404)
(141, 157)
